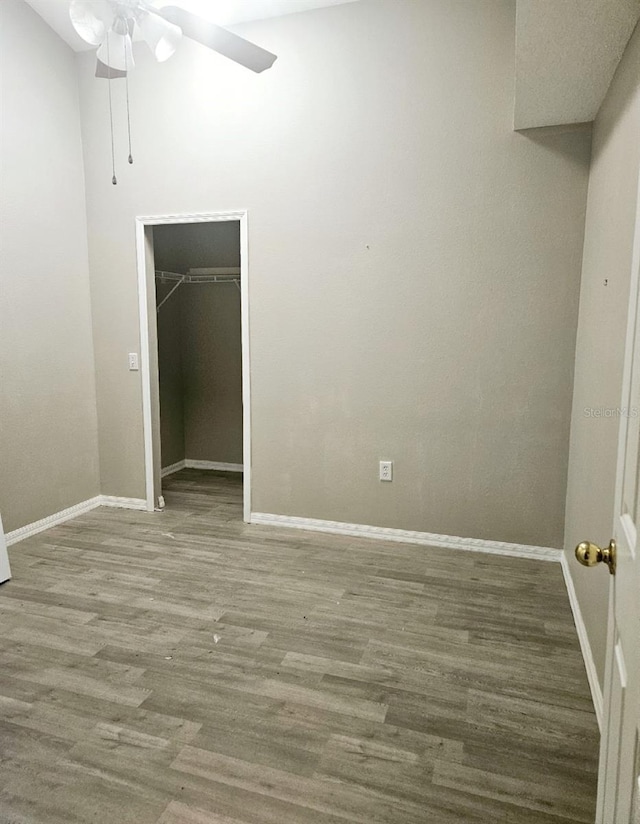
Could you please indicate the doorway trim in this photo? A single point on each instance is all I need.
(142, 223)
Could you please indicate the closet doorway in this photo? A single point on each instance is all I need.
(193, 301)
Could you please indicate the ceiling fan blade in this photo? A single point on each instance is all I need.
(102, 70)
(160, 35)
(226, 43)
(89, 19)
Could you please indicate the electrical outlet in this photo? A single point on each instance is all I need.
(133, 362)
(386, 470)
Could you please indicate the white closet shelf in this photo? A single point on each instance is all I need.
(220, 274)
(216, 270)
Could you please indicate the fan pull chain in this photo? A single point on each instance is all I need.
(114, 179)
(126, 81)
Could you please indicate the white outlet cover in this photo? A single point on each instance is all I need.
(386, 470)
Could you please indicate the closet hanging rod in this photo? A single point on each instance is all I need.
(219, 275)
(168, 276)
(211, 279)
(197, 277)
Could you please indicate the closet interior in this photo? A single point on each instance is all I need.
(198, 303)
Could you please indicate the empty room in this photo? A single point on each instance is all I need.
(319, 412)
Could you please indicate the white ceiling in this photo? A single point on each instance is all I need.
(566, 54)
(223, 12)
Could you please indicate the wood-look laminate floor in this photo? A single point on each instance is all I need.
(185, 668)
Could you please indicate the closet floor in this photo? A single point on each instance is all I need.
(186, 668)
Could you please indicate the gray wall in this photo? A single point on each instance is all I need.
(48, 429)
(170, 377)
(611, 212)
(182, 246)
(414, 264)
(199, 344)
(212, 373)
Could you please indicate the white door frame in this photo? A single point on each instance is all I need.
(5, 569)
(621, 679)
(142, 222)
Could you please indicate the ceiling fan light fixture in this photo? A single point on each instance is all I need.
(86, 19)
(110, 25)
(160, 35)
(116, 51)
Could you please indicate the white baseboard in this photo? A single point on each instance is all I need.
(190, 463)
(123, 503)
(174, 467)
(220, 467)
(51, 520)
(585, 646)
(540, 553)
(72, 512)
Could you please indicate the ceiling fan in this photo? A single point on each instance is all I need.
(110, 25)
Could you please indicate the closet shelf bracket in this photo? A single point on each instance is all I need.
(168, 277)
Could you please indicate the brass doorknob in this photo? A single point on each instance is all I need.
(591, 555)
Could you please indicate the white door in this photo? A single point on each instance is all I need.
(619, 772)
(5, 572)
